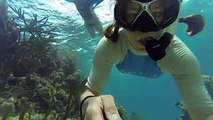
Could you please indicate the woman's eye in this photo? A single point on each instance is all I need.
(131, 17)
(132, 12)
(132, 7)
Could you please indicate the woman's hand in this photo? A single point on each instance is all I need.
(195, 24)
(100, 108)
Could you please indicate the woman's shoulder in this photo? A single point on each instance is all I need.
(120, 44)
(112, 50)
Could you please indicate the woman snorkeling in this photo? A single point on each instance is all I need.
(142, 41)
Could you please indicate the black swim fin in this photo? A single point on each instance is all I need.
(195, 24)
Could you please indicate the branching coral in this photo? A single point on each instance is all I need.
(34, 28)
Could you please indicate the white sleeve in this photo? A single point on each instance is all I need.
(103, 60)
(183, 65)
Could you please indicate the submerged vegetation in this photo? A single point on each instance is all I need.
(36, 83)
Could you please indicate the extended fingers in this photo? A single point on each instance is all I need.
(93, 113)
(110, 109)
(94, 109)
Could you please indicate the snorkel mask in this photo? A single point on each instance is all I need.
(146, 15)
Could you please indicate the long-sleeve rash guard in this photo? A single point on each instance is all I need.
(179, 61)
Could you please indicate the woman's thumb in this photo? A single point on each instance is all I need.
(110, 110)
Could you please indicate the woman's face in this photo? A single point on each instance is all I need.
(138, 39)
(133, 9)
(137, 35)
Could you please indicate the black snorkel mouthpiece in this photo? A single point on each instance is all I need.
(156, 49)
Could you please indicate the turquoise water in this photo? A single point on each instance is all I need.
(152, 99)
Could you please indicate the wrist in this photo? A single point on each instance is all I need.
(86, 93)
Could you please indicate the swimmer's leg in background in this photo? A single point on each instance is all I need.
(94, 25)
(91, 21)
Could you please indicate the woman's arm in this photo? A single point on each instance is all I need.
(184, 67)
(103, 61)
(96, 106)
(192, 90)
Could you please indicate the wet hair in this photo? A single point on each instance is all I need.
(112, 31)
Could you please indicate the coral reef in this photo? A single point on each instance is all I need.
(36, 82)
